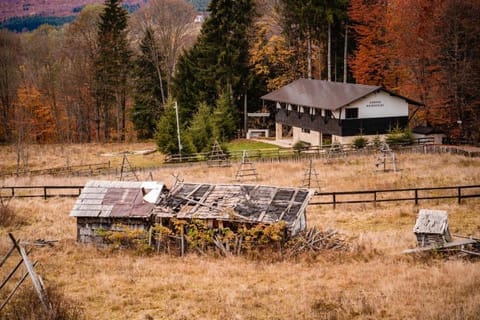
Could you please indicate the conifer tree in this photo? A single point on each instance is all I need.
(112, 67)
(149, 84)
(219, 61)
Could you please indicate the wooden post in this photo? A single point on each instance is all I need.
(35, 280)
(182, 243)
(334, 200)
(416, 196)
(459, 195)
(374, 199)
(45, 193)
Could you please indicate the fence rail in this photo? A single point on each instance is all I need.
(397, 195)
(40, 191)
(414, 195)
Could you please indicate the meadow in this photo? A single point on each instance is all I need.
(373, 280)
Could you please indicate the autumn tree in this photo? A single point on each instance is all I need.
(43, 69)
(79, 51)
(371, 63)
(310, 26)
(458, 33)
(10, 58)
(172, 28)
(112, 68)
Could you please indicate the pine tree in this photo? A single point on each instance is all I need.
(112, 67)
(219, 61)
(149, 84)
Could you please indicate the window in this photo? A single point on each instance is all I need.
(328, 114)
(351, 113)
(305, 130)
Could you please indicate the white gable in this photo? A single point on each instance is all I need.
(379, 105)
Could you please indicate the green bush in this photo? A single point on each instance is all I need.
(399, 136)
(360, 142)
(300, 145)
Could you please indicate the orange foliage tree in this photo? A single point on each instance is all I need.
(427, 50)
(34, 121)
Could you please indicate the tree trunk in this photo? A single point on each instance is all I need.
(309, 55)
(345, 55)
(329, 53)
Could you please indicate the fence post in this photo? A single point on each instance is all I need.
(45, 193)
(416, 196)
(334, 200)
(13, 192)
(374, 199)
(459, 195)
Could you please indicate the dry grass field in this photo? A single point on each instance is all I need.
(372, 281)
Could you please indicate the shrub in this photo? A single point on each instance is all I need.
(360, 142)
(300, 145)
(398, 136)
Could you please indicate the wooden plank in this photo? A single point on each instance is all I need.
(455, 243)
(7, 255)
(85, 213)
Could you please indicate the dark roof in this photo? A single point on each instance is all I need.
(427, 130)
(325, 94)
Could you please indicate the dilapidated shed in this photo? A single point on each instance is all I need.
(431, 228)
(103, 205)
(233, 204)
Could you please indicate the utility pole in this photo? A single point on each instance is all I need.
(178, 132)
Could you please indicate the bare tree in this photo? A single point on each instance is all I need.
(173, 24)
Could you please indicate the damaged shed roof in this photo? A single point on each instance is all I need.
(127, 199)
(245, 203)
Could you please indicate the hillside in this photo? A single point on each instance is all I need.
(56, 8)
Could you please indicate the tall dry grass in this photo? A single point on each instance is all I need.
(374, 280)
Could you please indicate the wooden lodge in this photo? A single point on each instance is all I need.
(104, 205)
(321, 112)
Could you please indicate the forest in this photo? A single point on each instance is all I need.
(110, 75)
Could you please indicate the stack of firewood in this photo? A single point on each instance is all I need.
(314, 240)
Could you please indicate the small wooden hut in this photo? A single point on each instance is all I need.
(103, 205)
(431, 228)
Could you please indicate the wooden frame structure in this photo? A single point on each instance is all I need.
(432, 233)
(36, 280)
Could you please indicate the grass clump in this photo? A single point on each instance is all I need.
(25, 304)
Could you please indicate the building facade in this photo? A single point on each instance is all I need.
(322, 112)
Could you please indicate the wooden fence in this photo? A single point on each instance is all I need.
(396, 195)
(91, 169)
(40, 191)
(414, 195)
(277, 154)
